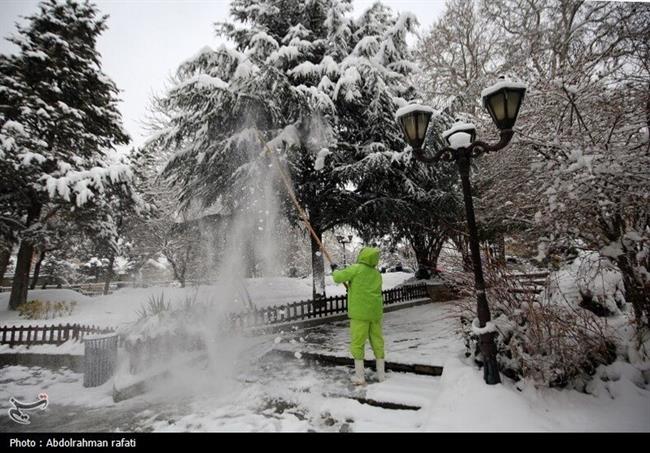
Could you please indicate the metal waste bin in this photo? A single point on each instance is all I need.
(100, 357)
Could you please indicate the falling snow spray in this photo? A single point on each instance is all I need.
(252, 248)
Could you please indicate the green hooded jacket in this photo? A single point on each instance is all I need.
(365, 302)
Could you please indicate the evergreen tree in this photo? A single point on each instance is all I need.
(59, 123)
(321, 88)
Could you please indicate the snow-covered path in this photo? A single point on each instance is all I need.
(265, 392)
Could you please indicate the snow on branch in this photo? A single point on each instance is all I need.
(289, 136)
(79, 183)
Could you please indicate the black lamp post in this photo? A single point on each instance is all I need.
(502, 101)
(342, 240)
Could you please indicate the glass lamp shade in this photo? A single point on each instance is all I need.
(503, 102)
(414, 121)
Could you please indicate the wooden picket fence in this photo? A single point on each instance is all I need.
(321, 308)
(145, 350)
(38, 335)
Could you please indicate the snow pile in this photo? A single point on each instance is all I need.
(467, 404)
(590, 281)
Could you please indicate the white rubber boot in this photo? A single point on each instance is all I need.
(381, 373)
(359, 373)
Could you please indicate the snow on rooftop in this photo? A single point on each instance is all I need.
(414, 108)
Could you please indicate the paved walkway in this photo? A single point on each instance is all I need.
(251, 391)
(425, 335)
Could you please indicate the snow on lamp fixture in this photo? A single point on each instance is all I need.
(460, 135)
(414, 121)
(502, 101)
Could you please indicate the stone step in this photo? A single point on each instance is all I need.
(427, 370)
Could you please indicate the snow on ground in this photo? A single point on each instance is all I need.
(424, 335)
(121, 307)
(71, 347)
(63, 387)
(271, 393)
(465, 403)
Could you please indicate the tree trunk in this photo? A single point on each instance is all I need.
(181, 275)
(500, 248)
(427, 262)
(21, 276)
(23, 263)
(37, 270)
(174, 268)
(462, 246)
(109, 274)
(5, 256)
(317, 266)
(427, 247)
(635, 293)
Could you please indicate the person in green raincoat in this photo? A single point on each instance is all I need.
(365, 309)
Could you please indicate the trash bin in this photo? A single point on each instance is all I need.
(100, 357)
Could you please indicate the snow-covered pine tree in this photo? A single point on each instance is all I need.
(393, 193)
(412, 201)
(308, 79)
(59, 123)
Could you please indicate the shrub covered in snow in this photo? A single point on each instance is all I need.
(37, 309)
(165, 329)
(551, 342)
(589, 281)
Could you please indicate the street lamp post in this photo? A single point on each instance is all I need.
(342, 240)
(502, 101)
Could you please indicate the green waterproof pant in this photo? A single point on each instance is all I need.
(360, 331)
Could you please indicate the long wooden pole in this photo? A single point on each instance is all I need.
(288, 183)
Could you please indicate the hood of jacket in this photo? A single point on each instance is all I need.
(369, 256)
